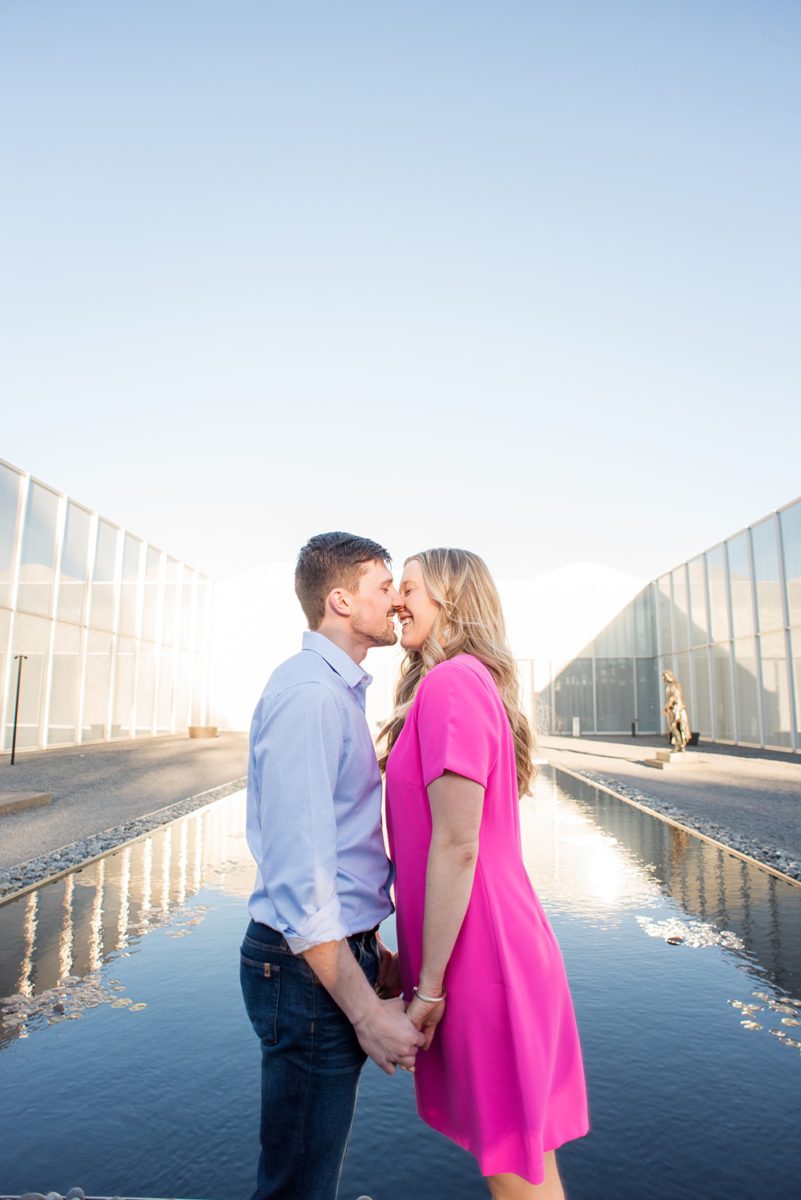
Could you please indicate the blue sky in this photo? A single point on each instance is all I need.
(522, 277)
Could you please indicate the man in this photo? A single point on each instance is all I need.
(310, 958)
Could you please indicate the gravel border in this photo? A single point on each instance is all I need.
(24, 877)
(777, 861)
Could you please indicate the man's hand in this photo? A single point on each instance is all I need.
(425, 1017)
(388, 984)
(387, 1035)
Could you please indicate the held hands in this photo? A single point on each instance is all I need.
(388, 1036)
(425, 1016)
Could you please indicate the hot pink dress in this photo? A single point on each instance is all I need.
(504, 1076)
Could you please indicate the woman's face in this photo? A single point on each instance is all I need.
(418, 611)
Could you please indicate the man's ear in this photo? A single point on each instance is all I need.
(338, 601)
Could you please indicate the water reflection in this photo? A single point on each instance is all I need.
(591, 856)
(576, 863)
(55, 941)
(694, 1037)
(611, 859)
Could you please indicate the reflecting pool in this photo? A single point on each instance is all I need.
(126, 1061)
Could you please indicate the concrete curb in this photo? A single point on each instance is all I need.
(12, 802)
(19, 880)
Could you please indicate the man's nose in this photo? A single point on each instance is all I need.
(395, 597)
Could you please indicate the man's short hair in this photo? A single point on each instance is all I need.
(331, 560)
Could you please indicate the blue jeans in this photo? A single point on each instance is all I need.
(310, 1066)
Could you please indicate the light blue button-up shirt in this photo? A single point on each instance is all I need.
(314, 801)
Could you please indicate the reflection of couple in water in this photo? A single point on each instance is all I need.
(475, 1002)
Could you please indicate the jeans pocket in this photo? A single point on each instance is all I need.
(261, 989)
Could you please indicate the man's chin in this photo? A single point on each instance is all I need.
(386, 639)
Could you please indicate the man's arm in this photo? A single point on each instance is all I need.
(384, 1031)
(297, 750)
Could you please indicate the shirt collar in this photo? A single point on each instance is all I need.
(337, 659)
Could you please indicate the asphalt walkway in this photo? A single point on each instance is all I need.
(752, 796)
(100, 786)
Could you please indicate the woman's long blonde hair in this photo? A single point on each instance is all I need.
(469, 621)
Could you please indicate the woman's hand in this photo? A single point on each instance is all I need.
(388, 984)
(426, 1016)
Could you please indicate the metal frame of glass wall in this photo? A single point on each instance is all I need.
(115, 630)
(727, 623)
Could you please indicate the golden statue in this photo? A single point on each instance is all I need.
(675, 711)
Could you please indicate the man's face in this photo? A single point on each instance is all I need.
(374, 604)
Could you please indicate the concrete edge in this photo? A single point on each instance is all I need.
(15, 802)
(158, 818)
(704, 837)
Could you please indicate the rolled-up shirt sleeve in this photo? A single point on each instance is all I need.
(297, 746)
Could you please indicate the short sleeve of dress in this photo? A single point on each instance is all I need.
(456, 725)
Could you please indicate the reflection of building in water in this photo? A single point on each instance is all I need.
(709, 884)
(577, 866)
(727, 624)
(69, 927)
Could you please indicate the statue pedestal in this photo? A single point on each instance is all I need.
(668, 758)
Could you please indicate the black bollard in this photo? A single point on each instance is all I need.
(19, 658)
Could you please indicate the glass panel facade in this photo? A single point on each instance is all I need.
(145, 689)
(129, 589)
(742, 601)
(38, 554)
(122, 718)
(776, 690)
(699, 625)
(645, 624)
(729, 626)
(647, 695)
(795, 646)
(96, 665)
(151, 595)
(614, 685)
(681, 609)
(185, 623)
(74, 562)
(765, 544)
(198, 691)
(664, 605)
(790, 521)
(170, 606)
(166, 693)
(723, 709)
(64, 686)
(745, 674)
(10, 481)
(573, 696)
(701, 717)
(32, 639)
(103, 583)
(6, 666)
(718, 594)
(183, 679)
(96, 686)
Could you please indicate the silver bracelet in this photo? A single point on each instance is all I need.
(428, 999)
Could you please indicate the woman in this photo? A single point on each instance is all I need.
(501, 1073)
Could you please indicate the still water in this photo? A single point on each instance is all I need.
(126, 1061)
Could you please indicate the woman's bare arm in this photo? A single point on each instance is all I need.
(456, 808)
